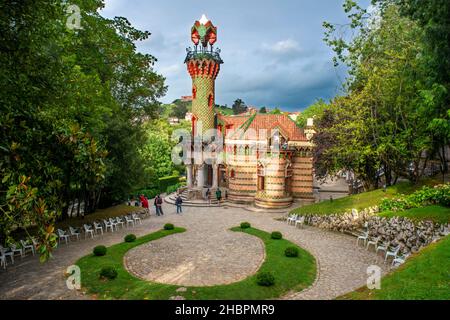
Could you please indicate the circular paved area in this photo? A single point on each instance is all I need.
(342, 266)
(207, 257)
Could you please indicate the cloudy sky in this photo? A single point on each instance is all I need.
(273, 49)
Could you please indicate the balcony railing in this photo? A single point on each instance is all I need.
(203, 53)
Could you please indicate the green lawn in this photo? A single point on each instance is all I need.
(360, 201)
(434, 213)
(425, 276)
(290, 274)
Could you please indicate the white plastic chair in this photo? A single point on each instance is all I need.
(400, 260)
(292, 219)
(383, 247)
(15, 249)
(129, 221)
(98, 226)
(4, 252)
(74, 233)
(300, 222)
(88, 230)
(26, 246)
(374, 242)
(62, 235)
(2, 261)
(392, 253)
(108, 225)
(113, 222)
(136, 218)
(364, 237)
(119, 221)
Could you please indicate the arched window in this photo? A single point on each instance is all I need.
(232, 174)
(235, 150)
(211, 100)
(194, 92)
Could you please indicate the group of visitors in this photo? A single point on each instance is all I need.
(143, 202)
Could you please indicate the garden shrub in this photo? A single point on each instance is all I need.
(130, 238)
(174, 188)
(438, 195)
(276, 235)
(108, 273)
(291, 252)
(265, 279)
(166, 182)
(245, 225)
(149, 193)
(99, 251)
(169, 226)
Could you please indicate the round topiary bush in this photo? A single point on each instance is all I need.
(291, 252)
(108, 273)
(169, 226)
(245, 225)
(130, 238)
(99, 251)
(265, 279)
(276, 235)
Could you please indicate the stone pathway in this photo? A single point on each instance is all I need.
(341, 264)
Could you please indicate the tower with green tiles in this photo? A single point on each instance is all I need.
(203, 64)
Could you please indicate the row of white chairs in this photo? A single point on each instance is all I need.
(389, 250)
(96, 228)
(21, 249)
(296, 220)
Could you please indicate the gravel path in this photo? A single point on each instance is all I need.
(341, 264)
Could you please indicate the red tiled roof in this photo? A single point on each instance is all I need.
(268, 122)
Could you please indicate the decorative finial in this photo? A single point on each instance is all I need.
(204, 20)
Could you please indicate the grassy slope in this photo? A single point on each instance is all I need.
(302, 271)
(425, 276)
(434, 213)
(360, 201)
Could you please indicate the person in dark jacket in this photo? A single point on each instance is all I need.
(158, 205)
(179, 202)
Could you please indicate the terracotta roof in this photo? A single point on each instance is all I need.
(266, 121)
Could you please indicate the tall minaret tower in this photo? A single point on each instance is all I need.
(203, 64)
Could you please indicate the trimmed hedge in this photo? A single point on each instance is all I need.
(108, 273)
(130, 238)
(99, 251)
(166, 182)
(245, 225)
(169, 226)
(276, 235)
(291, 252)
(265, 279)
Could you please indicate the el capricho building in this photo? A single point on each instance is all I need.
(265, 159)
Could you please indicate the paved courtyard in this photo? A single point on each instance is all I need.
(206, 253)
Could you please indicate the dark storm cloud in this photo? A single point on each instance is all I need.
(273, 50)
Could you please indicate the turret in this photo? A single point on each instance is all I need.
(203, 64)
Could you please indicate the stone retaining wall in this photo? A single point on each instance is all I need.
(398, 230)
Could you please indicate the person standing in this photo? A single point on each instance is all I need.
(179, 202)
(208, 196)
(219, 195)
(155, 203)
(144, 202)
(158, 203)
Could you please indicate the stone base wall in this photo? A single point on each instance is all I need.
(398, 230)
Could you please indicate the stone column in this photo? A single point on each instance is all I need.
(201, 176)
(190, 182)
(215, 176)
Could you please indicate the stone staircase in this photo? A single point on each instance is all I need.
(171, 198)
